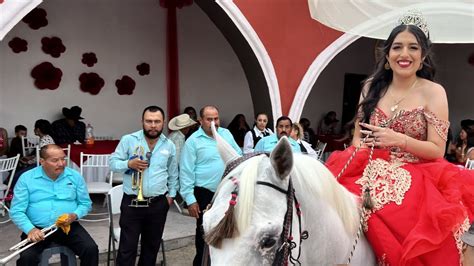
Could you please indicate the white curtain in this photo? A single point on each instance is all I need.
(12, 11)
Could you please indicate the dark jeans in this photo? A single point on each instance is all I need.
(203, 198)
(149, 222)
(78, 240)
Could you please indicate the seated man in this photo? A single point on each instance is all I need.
(284, 127)
(42, 195)
(3, 142)
(69, 129)
(468, 247)
(15, 146)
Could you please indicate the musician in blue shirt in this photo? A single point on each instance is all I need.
(284, 127)
(201, 169)
(44, 193)
(153, 155)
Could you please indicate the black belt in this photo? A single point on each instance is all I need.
(151, 199)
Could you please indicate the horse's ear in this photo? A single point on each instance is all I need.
(226, 151)
(282, 158)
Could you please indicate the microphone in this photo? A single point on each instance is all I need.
(148, 157)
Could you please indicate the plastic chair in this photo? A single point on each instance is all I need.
(114, 200)
(469, 164)
(7, 165)
(99, 185)
(320, 147)
(67, 151)
(28, 144)
(67, 256)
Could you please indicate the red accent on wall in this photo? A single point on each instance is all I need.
(291, 37)
(172, 62)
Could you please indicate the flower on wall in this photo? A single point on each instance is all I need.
(143, 69)
(125, 86)
(36, 18)
(91, 83)
(89, 59)
(46, 76)
(53, 46)
(177, 3)
(470, 60)
(18, 45)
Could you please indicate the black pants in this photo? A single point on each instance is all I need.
(203, 198)
(149, 222)
(78, 240)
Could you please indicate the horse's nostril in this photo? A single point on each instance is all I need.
(267, 242)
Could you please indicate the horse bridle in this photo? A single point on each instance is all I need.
(283, 254)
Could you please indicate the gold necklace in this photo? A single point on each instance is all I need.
(394, 107)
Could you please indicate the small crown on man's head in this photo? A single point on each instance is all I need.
(415, 17)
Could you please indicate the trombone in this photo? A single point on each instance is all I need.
(26, 244)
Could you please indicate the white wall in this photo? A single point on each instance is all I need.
(123, 34)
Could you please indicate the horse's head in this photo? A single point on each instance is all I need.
(245, 222)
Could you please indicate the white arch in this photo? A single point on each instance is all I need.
(314, 70)
(259, 50)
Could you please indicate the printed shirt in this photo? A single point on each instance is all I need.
(38, 200)
(178, 138)
(268, 143)
(200, 164)
(160, 177)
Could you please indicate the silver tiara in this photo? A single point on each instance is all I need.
(415, 17)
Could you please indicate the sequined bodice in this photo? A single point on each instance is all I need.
(413, 123)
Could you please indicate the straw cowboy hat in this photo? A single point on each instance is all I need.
(468, 237)
(180, 122)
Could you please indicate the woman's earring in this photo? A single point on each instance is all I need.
(386, 66)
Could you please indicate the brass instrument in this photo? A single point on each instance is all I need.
(26, 244)
(137, 182)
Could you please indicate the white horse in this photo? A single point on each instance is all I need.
(329, 212)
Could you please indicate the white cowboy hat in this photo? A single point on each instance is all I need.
(180, 122)
(468, 237)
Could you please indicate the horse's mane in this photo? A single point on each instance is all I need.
(310, 177)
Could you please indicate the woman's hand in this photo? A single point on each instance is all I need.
(383, 137)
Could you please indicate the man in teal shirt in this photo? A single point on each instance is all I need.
(44, 193)
(150, 152)
(283, 128)
(201, 169)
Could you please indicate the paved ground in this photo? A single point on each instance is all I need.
(178, 236)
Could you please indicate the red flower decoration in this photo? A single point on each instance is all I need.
(46, 76)
(471, 59)
(36, 18)
(18, 45)
(1, 1)
(91, 83)
(89, 59)
(175, 3)
(143, 69)
(53, 46)
(125, 86)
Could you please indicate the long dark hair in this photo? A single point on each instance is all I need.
(381, 77)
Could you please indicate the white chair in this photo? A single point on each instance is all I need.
(469, 164)
(97, 167)
(28, 144)
(320, 147)
(114, 200)
(6, 166)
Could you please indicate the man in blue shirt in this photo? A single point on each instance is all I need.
(283, 128)
(44, 193)
(201, 169)
(147, 151)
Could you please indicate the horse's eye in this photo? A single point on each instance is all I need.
(267, 242)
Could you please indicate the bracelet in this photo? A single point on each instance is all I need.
(406, 142)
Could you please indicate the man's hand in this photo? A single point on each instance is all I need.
(35, 235)
(193, 210)
(170, 200)
(137, 164)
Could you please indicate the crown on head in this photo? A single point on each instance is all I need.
(415, 17)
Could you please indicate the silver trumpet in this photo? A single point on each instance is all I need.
(26, 244)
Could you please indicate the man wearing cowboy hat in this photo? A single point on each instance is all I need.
(180, 125)
(69, 129)
(468, 247)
